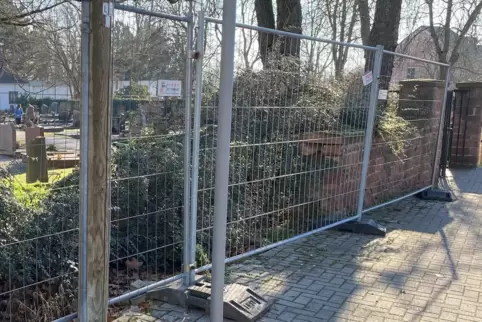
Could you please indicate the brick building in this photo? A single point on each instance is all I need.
(420, 44)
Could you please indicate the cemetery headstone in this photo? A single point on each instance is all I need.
(54, 107)
(8, 139)
(37, 161)
(30, 114)
(33, 132)
(76, 118)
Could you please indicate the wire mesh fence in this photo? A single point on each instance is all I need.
(39, 188)
(149, 149)
(296, 140)
(403, 153)
(309, 125)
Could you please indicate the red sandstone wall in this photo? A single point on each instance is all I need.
(389, 175)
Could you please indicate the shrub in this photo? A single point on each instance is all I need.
(32, 250)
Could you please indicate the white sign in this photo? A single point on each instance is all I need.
(169, 88)
(367, 78)
(383, 94)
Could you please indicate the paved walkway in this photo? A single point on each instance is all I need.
(427, 268)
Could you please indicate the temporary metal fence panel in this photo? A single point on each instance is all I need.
(150, 184)
(39, 182)
(298, 133)
(404, 154)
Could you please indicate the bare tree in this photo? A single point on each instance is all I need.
(62, 42)
(26, 13)
(314, 25)
(248, 37)
(43, 43)
(342, 17)
(459, 17)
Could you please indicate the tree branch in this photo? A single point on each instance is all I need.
(447, 29)
(13, 20)
(433, 33)
(470, 21)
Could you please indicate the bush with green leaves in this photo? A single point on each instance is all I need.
(38, 247)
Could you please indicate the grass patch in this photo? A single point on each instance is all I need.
(31, 194)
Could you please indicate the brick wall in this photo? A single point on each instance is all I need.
(466, 139)
(390, 175)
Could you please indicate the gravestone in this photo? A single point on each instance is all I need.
(30, 113)
(76, 118)
(54, 107)
(64, 111)
(37, 161)
(8, 139)
(33, 132)
(44, 109)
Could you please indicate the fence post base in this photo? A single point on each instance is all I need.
(436, 194)
(240, 303)
(366, 228)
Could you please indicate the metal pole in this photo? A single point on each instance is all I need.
(84, 150)
(440, 130)
(372, 109)
(222, 158)
(187, 148)
(196, 138)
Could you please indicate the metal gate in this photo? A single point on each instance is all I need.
(447, 134)
(455, 129)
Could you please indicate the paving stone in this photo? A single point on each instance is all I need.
(427, 268)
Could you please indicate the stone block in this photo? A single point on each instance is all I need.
(8, 139)
(33, 132)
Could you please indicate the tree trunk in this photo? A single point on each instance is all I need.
(265, 18)
(385, 32)
(289, 19)
(364, 10)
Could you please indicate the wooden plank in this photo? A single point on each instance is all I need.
(308, 148)
(322, 137)
(98, 194)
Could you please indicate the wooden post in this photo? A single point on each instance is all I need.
(98, 173)
(37, 160)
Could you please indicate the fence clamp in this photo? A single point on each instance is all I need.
(108, 11)
(190, 267)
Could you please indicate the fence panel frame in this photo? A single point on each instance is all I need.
(188, 253)
(439, 134)
(188, 18)
(372, 111)
(438, 146)
(373, 101)
(196, 142)
(187, 151)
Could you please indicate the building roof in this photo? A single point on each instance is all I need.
(440, 31)
(8, 78)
